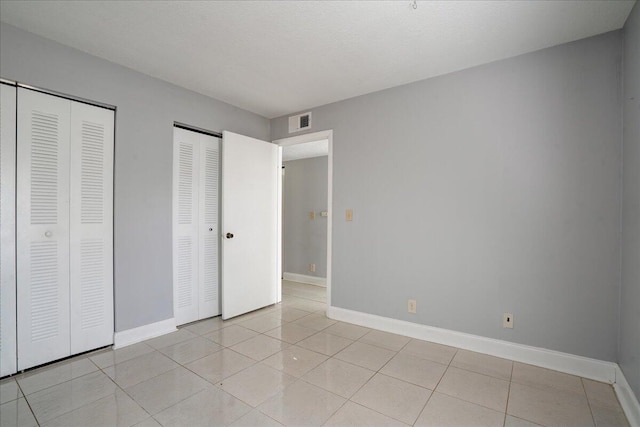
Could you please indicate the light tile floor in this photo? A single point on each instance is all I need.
(290, 365)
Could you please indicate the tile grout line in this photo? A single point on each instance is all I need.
(593, 418)
(506, 408)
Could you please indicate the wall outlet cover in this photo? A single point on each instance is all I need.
(411, 306)
(507, 321)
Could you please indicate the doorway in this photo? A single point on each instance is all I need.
(302, 147)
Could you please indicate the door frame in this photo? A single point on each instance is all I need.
(311, 137)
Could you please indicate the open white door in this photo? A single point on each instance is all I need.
(250, 224)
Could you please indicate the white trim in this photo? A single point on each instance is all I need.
(628, 400)
(310, 137)
(303, 278)
(576, 365)
(135, 335)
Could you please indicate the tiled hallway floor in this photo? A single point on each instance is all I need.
(289, 364)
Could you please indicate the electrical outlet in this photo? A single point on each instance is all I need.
(349, 215)
(411, 306)
(312, 268)
(507, 321)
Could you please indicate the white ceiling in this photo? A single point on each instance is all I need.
(306, 150)
(280, 57)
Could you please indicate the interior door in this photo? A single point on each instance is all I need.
(208, 301)
(7, 230)
(42, 228)
(186, 149)
(91, 227)
(251, 174)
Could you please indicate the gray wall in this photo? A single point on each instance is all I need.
(305, 240)
(629, 350)
(483, 191)
(147, 108)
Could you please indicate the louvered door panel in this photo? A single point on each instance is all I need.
(185, 225)
(42, 228)
(208, 226)
(91, 227)
(7, 230)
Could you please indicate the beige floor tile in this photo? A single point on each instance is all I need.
(117, 409)
(424, 373)
(210, 407)
(48, 376)
(9, 390)
(609, 417)
(52, 402)
(511, 421)
(541, 377)
(354, 415)
(365, 355)
(16, 413)
(548, 406)
(134, 371)
(443, 410)
(305, 304)
(255, 418)
(295, 361)
(601, 394)
(475, 388)
(339, 377)
(256, 384)
(220, 365)
(190, 350)
(347, 330)
(385, 340)
(291, 333)
(263, 323)
(325, 343)
(149, 422)
(483, 364)
(260, 347)
(170, 339)
(302, 404)
(317, 322)
(165, 390)
(111, 357)
(290, 314)
(207, 326)
(394, 398)
(231, 335)
(430, 351)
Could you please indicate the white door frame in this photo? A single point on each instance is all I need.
(311, 137)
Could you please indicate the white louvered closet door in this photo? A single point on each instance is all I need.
(42, 228)
(208, 227)
(7, 230)
(91, 227)
(186, 166)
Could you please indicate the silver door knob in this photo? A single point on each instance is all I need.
(210, 228)
(48, 234)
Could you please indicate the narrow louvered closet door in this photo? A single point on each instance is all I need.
(208, 229)
(185, 225)
(42, 228)
(7, 230)
(91, 227)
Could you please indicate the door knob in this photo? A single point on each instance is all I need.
(47, 234)
(210, 228)
(229, 235)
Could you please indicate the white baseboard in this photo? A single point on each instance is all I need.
(628, 400)
(303, 278)
(136, 335)
(576, 365)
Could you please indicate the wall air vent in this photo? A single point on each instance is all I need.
(299, 122)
